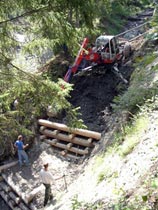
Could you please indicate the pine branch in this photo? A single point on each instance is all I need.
(17, 68)
(25, 14)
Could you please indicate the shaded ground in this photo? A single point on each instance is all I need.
(94, 93)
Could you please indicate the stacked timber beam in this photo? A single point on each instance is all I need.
(73, 143)
(11, 195)
(8, 165)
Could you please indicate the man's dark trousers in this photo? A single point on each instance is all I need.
(48, 194)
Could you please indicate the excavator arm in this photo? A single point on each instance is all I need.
(73, 69)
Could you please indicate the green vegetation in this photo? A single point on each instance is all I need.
(44, 26)
(77, 205)
(132, 134)
(142, 86)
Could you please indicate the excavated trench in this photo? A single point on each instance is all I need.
(94, 93)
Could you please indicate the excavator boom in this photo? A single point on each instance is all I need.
(105, 52)
(73, 69)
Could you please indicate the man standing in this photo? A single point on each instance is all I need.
(21, 152)
(47, 180)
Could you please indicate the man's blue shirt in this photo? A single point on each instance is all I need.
(19, 144)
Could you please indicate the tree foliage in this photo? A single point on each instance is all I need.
(44, 23)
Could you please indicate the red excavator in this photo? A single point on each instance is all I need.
(106, 52)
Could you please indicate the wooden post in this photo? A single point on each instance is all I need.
(69, 145)
(42, 128)
(56, 132)
(11, 203)
(90, 140)
(64, 153)
(71, 136)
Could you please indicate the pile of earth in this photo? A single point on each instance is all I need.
(94, 93)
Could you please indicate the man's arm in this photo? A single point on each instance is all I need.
(15, 145)
(60, 177)
(26, 145)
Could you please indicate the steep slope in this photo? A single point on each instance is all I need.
(116, 178)
(93, 93)
(125, 179)
(125, 175)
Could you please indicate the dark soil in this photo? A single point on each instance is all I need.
(95, 91)
(94, 94)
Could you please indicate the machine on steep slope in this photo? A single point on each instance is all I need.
(106, 52)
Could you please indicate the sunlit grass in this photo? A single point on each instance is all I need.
(133, 135)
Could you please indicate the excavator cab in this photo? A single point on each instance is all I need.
(106, 51)
(108, 48)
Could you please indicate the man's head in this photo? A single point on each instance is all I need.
(45, 166)
(20, 137)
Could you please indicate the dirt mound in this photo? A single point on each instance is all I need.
(93, 93)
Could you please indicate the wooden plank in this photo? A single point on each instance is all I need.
(42, 137)
(58, 126)
(67, 155)
(67, 138)
(5, 187)
(11, 184)
(23, 206)
(14, 197)
(29, 197)
(65, 147)
(4, 196)
(8, 165)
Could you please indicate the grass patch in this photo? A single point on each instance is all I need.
(142, 86)
(80, 205)
(133, 134)
(99, 160)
